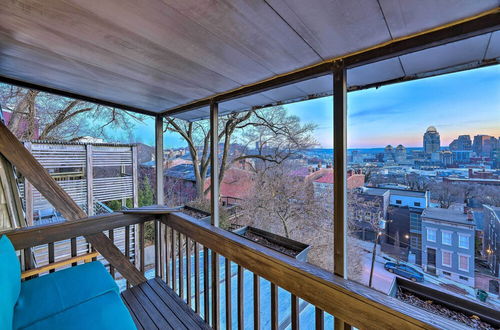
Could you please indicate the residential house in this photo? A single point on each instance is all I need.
(491, 238)
(448, 244)
(407, 220)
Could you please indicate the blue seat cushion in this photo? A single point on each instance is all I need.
(10, 282)
(106, 311)
(54, 293)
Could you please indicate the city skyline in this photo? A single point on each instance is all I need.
(468, 103)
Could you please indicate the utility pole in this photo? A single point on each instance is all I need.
(373, 258)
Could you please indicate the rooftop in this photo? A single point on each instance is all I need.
(326, 178)
(448, 215)
(183, 171)
(494, 209)
(398, 192)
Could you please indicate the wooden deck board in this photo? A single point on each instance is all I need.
(153, 305)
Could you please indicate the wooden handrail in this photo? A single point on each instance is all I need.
(352, 302)
(38, 235)
(39, 270)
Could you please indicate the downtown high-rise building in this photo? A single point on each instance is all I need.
(432, 141)
(400, 154)
(462, 143)
(484, 145)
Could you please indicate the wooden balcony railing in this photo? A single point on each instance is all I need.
(198, 262)
(361, 307)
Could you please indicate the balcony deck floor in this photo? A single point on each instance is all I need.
(153, 305)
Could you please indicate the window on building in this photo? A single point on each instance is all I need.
(446, 237)
(463, 263)
(416, 203)
(465, 278)
(446, 258)
(431, 235)
(447, 273)
(463, 241)
(415, 223)
(398, 201)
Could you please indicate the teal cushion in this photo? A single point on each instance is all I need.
(53, 293)
(103, 312)
(10, 282)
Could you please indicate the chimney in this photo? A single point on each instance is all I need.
(470, 216)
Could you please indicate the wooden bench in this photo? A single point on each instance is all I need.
(153, 305)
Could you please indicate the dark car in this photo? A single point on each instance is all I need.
(405, 271)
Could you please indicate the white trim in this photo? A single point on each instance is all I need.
(468, 241)
(428, 229)
(442, 258)
(468, 260)
(442, 237)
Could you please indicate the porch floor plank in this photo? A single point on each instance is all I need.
(153, 305)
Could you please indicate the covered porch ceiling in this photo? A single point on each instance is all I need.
(172, 57)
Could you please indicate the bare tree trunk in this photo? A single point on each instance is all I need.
(22, 108)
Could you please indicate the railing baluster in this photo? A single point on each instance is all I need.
(241, 298)
(167, 258)
(111, 235)
(295, 312)
(93, 250)
(127, 248)
(320, 319)
(73, 250)
(28, 260)
(206, 289)
(50, 248)
(196, 278)
(215, 291)
(274, 306)
(181, 265)
(174, 261)
(256, 302)
(141, 247)
(229, 304)
(156, 249)
(188, 271)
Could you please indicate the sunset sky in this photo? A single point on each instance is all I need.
(460, 103)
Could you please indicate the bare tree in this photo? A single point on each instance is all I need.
(275, 135)
(59, 118)
(283, 203)
(446, 193)
(363, 213)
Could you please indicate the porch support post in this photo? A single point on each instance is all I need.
(159, 159)
(340, 180)
(340, 168)
(214, 163)
(160, 198)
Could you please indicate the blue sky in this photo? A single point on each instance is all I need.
(466, 102)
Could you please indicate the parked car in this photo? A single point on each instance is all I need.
(405, 271)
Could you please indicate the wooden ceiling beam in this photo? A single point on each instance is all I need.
(485, 22)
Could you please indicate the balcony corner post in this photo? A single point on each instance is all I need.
(214, 163)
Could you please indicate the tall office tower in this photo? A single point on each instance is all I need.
(484, 145)
(462, 143)
(432, 141)
(400, 153)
